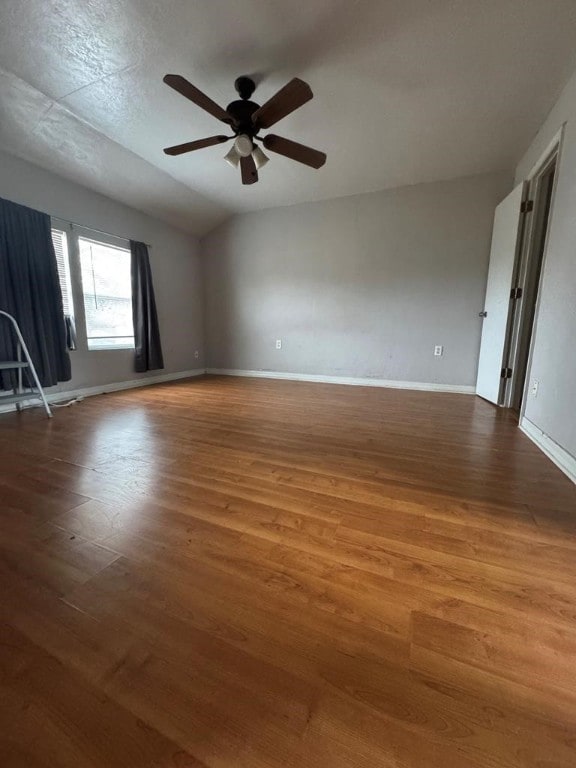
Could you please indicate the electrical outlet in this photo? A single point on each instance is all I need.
(534, 388)
(196, 354)
(438, 350)
(278, 343)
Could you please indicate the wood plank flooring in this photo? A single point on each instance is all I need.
(236, 573)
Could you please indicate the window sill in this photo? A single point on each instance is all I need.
(116, 347)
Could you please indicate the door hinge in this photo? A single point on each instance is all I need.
(506, 373)
(527, 206)
(516, 293)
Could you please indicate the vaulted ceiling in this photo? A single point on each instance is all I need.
(406, 91)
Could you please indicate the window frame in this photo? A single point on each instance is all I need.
(74, 233)
(119, 245)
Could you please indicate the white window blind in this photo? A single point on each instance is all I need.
(107, 290)
(61, 249)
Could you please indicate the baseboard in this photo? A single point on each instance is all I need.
(563, 460)
(102, 389)
(349, 380)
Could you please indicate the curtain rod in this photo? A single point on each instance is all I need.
(100, 231)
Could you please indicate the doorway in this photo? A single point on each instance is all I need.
(519, 240)
(528, 278)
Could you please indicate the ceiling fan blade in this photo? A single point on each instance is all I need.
(190, 91)
(190, 146)
(293, 95)
(248, 168)
(294, 151)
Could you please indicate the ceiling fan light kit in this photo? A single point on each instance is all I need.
(233, 158)
(246, 119)
(259, 158)
(243, 145)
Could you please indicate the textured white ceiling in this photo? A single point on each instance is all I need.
(406, 91)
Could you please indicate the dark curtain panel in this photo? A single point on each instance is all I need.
(146, 330)
(30, 291)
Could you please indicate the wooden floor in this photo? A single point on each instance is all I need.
(240, 573)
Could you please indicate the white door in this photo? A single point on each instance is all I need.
(498, 304)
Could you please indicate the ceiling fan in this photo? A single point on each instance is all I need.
(246, 119)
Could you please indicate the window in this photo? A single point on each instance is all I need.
(107, 290)
(61, 249)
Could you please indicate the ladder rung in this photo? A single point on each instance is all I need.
(6, 365)
(36, 390)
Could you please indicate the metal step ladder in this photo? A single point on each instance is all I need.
(20, 395)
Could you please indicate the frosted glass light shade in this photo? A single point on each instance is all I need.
(243, 145)
(233, 158)
(259, 158)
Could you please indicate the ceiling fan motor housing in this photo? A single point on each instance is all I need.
(241, 113)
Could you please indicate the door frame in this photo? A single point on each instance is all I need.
(528, 252)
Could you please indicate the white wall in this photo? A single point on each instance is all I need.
(361, 286)
(554, 347)
(174, 262)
